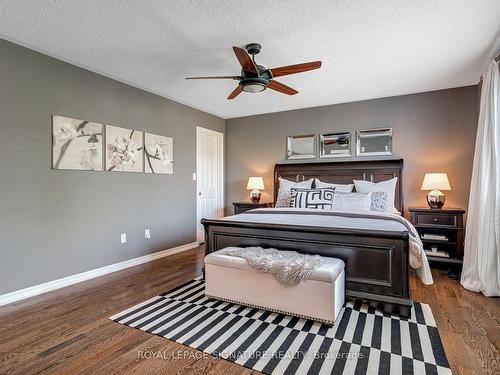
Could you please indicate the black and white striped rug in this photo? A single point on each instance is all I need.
(363, 340)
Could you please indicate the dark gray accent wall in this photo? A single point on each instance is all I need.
(433, 132)
(57, 223)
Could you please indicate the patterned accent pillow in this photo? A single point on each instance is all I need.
(283, 198)
(379, 201)
(312, 198)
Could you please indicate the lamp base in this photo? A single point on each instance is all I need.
(435, 199)
(255, 196)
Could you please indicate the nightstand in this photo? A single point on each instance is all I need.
(240, 207)
(442, 233)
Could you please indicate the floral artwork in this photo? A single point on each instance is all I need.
(159, 154)
(124, 149)
(76, 144)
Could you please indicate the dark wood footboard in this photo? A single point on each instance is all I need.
(376, 262)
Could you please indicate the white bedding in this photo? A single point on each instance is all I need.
(371, 220)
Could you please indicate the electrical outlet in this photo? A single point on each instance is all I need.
(123, 237)
(147, 233)
(194, 176)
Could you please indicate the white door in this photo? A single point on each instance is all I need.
(209, 177)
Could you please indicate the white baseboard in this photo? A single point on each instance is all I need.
(31, 291)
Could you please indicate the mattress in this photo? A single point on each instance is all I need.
(359, 220)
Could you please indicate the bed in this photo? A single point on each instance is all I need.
(376, 256)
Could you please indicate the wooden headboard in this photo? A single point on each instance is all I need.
(344, 172)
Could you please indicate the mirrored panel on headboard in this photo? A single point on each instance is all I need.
(372, 142)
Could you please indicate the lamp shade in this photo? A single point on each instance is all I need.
(255, 183)
(436, 181)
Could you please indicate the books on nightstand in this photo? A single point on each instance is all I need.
(442, 254)
(428, 236)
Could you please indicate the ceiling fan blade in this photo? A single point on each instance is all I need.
(278, 86)
(218, 77)
(237, 91)
(245, 60)
(293, 69)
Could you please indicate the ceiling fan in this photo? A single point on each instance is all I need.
(256, 78)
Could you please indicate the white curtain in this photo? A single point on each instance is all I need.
(481, 270)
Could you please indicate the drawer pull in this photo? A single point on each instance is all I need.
(435, 219)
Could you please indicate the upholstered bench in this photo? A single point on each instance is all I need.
(321, 297)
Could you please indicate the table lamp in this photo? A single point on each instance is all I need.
(435, 182)
(255, 184)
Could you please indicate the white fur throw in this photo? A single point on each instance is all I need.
(289, 267)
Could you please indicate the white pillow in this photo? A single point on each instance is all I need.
(388, 187)
(338, 187)
(284, 193)
(352, 201)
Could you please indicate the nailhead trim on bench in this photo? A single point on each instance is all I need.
(329, 322)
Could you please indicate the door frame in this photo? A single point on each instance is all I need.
(220, 170)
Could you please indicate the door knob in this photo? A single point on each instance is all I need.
(199, 193)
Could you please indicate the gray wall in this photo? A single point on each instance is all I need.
(433, 132)
(58, 223)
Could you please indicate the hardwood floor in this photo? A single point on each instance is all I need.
(68, 331)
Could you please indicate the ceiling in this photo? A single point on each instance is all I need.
(369, 48)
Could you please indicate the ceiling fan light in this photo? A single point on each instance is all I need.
(254, 84)
(254, 87)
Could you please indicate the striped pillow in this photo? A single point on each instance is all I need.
(312, 198)
(352, 202)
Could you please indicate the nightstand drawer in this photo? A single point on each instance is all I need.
(244, 208)
(241, 207)
(436, 219)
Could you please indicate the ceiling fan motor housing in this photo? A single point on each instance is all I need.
(254, 82)
(263, 72)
